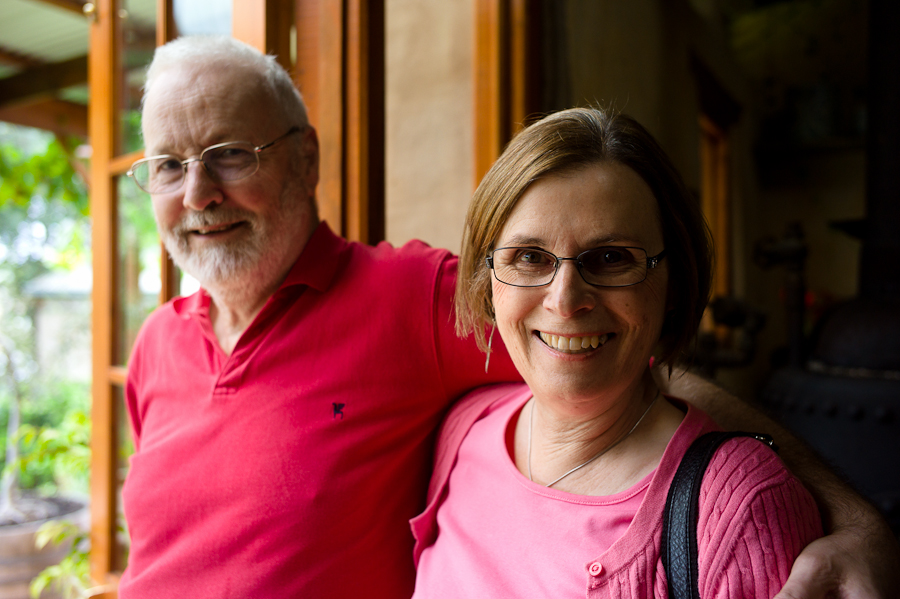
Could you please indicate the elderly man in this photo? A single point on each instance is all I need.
(283, 415)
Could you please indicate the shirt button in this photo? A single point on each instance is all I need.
(595, 569)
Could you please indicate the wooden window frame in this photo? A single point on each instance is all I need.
(506, 74)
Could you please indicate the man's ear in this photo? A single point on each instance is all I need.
(309, 156)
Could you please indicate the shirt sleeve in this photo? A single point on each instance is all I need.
(462, 364)
(755, 519)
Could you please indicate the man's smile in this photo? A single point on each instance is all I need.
(213, 229)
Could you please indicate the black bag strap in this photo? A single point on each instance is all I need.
(679, 533)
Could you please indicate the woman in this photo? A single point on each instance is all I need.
(586, 252)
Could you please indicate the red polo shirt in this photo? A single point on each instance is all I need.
(292, 467)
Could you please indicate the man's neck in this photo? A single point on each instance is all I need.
(238, 299)
(231, 316)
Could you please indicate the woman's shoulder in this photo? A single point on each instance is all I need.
(476, 403)
(755, 518)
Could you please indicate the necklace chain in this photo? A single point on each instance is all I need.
(591, 459)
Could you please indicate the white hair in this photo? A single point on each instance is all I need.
(205, 51)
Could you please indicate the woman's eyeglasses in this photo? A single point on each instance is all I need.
(610, 266)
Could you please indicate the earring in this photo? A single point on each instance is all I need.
(490, 341)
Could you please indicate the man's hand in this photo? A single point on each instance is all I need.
(846, 565)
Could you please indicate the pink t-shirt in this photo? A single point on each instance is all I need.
(489, 499)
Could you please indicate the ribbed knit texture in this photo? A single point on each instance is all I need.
(755, 518)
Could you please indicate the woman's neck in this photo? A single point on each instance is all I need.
(599, 453)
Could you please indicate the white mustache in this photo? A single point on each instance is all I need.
(211, 218)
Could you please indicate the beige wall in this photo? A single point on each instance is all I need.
(429, 120)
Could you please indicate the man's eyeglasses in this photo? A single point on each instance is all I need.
(229, 161)
(610, 266)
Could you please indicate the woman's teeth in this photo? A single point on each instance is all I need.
(572, 344)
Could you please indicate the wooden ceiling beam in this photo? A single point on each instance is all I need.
(42, 81)
(61, 117)
(14, 59)
(76, 6)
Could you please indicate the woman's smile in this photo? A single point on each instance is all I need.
(573, 344)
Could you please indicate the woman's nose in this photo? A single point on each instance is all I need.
(568, 293)
(200, 190)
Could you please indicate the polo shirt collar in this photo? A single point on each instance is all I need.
(318, 261)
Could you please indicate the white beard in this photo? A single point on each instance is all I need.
(220, 263)
(246, 264)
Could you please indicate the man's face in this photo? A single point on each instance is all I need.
(236, 232)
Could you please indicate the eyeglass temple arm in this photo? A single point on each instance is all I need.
(291, 131)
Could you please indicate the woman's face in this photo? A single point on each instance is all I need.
(605, 204)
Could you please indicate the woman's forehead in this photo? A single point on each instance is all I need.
(598, 204)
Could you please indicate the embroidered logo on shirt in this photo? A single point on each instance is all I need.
(338, 410)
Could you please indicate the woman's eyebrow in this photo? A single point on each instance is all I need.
(524, 241)
(529, 241)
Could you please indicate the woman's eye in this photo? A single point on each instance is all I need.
(532, 257)
(614, 256)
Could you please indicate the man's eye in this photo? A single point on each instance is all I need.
(168, 165)
(230, 156)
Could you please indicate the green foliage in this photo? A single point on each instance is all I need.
(68, 576)
(43, 208)
(53, 438)
(47, 174)
(56, 459)
(43, 226)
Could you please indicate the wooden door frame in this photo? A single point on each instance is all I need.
(104, 412)
(340, 72)
(506, 74)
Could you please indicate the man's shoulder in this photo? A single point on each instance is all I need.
(413, 259)
(171, 316)
(413, 251)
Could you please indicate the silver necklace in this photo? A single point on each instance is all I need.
(597, 455)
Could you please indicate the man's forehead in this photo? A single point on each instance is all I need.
(186, 107)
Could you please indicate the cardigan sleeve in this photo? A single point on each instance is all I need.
(755, 519)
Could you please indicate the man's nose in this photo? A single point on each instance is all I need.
(568, 293)
(200, 189)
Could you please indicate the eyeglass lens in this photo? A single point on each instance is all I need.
(228, 162)
(604, 266)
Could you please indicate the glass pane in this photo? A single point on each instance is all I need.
(188, 285)
(137, 22)
(126, 448)
(138, 263)
(202, 18)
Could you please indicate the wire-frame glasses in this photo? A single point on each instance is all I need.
(229, 161)
(609, 266)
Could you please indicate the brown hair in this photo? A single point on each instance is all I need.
(566, 141)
